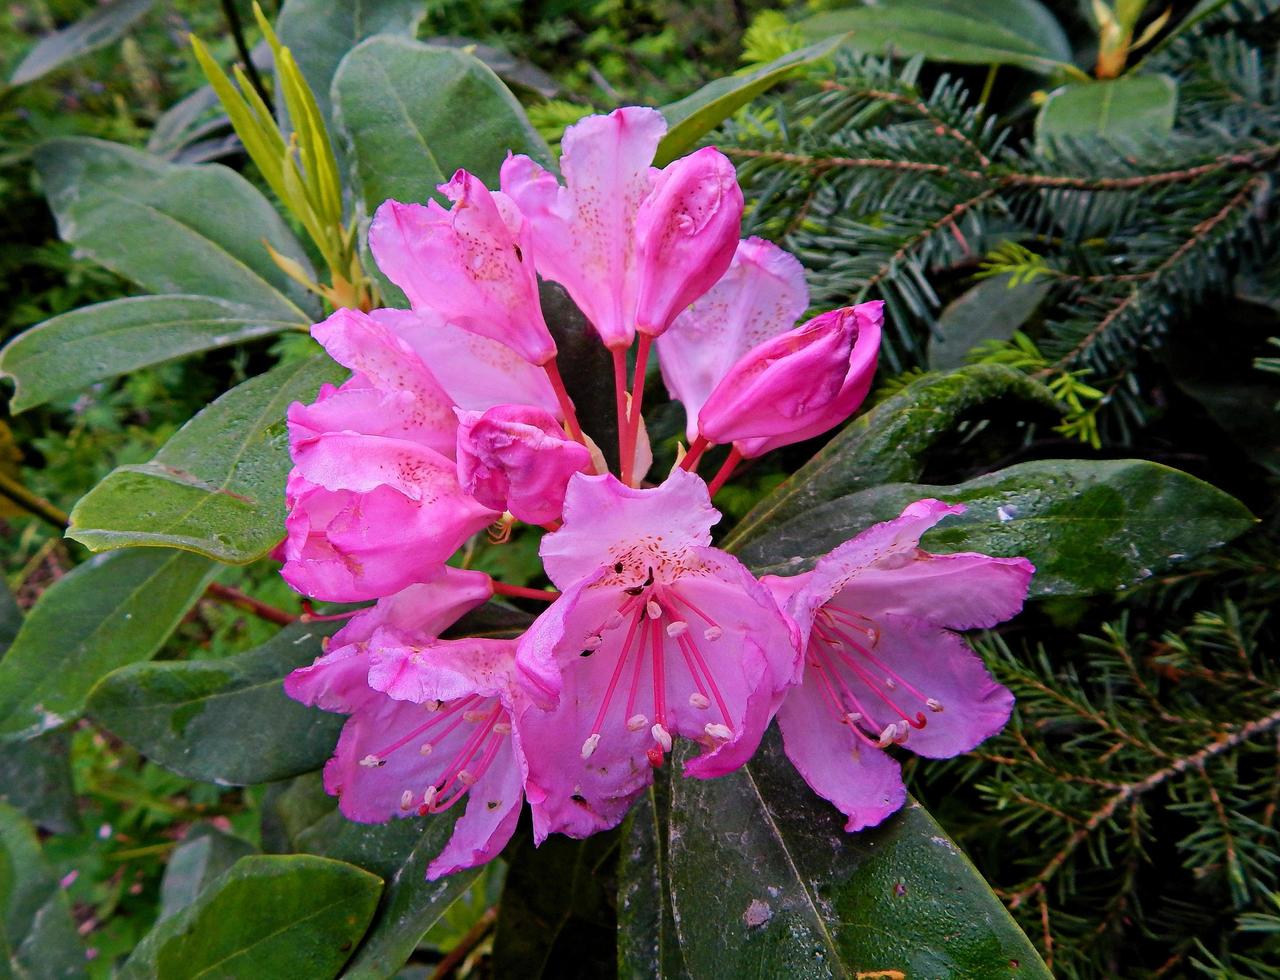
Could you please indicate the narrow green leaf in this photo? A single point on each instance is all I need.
(398, 851)
(765, 882)
(888, 444)
(227, 720)
(320, 32)
(269, 916)
(173, 228)
(204, 854)
(999, 32)
(217, 486)
(398, 102)
(37, 934)
(70, 352)
(697, 114)
(95, 30)
(1089, 526)
(991, 310)
(112, 610)
(1136, 107)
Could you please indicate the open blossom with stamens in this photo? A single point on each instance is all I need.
(656, 636)
(430, 719)
(882, 665)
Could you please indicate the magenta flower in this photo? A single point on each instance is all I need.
(882, 665)
(430, 719)
(656, 635)
(516, 458)
(762, 295)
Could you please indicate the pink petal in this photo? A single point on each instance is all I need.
(473, 265)
(493, 810)
(477, 372)
(352, 461)
(336, 681)
(518, 459)
(686, 231)
(584, 233)
(404, 667)
(861, 780)
(762, 295)
(606, 522)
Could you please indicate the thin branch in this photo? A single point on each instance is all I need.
(242, 46)
(447, 966)
(234, 597)
(35, 505)
(948, 220)
(941, 126)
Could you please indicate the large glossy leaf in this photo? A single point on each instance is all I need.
(320, 32)
(414, 113)
(1002, 32)
(113, 610)
(102, 25)
(227, 720)
(399, 852)
(1136, 107)
(765, 882)
(648, 945)
(69, 352)
(888, 444)
(37, 934)
(700, 112)
(557, 908)
(217, 486)
(269, 916)
(1088, 526)
(204, 854)
(173, 228)
(991, 310)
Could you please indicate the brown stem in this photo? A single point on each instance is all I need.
(234, 597)
(453, 959)
(14, 491)
(948, 220)
(941, 126)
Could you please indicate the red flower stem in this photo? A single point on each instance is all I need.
(520, 592)
(694, 456)
(234, 597)
(562, 396)
(620, 399)
(726, 470)
(637, 401)
(309, 614)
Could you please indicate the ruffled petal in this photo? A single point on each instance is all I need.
(404, 667)
(493, 810)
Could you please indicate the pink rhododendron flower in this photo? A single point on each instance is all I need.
(472, 264)
(797, 384)
(518, 459)
(762, 295)
(882, 665)
(430, 719)
(656, 635)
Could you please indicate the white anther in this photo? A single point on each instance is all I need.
(887, 736)
(677, 628)
(637, 723)
(853, 717)
(502, 728)
(903, 730)
(474, 715)
(721, 733)
(406, 799)
(425, 748)
(614, 621)
(431, 705)
(890, 683)
(467, 778)
(933, 705)
(661, 736)
(713, 632)
(699, 700)
(653, 609)
(589, 745)
(372, 762)
(592, 642)
(429, 797)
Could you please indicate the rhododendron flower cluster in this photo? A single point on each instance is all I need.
(456, 419)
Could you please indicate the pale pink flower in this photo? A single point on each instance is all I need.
(882, 665)
(431, 720)
(656, 635)
(518, 459)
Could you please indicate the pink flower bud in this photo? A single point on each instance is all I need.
(473, 264)
(795, 385)
(686, 233)
(517, 458)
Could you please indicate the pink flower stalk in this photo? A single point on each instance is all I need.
(882, 665)
(762, 295)
(655, 635)
(796, 385)
(472, 264)
(518, 459)
(431, 720)
(686, 235)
